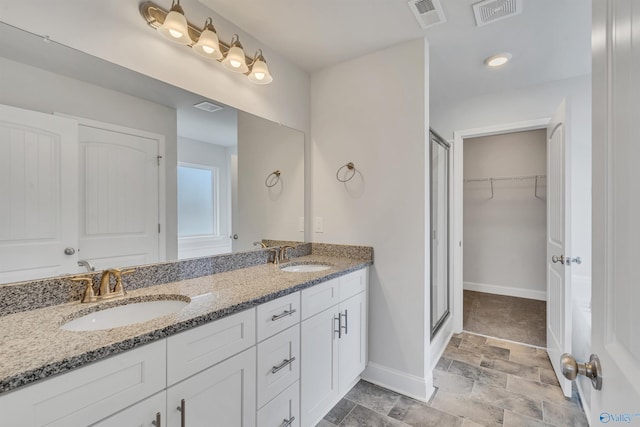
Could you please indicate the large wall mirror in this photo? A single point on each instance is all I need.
(101, 164)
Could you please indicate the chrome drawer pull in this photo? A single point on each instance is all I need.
(346, 319)
(283, 314)
(157, 422)
(287, 423)
(284, 363)
(339, 330)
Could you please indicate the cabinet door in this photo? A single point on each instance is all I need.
(319, 370)
(353, 344)
(223, 395)
(142, 414)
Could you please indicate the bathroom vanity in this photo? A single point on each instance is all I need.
(254, 346)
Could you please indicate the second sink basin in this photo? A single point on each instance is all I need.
(306, 268)
(124, 315)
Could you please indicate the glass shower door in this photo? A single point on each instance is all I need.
(439, 201)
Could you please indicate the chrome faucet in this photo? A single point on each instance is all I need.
(283, 252)
(86, 264)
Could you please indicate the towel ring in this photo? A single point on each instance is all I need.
(271, 182)
(350, 166)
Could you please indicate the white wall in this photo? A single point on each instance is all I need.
(374, 113)
(535, 102)
(212, 155)
(114, 30)
(35, 89)
(505, 236)
(268, 213)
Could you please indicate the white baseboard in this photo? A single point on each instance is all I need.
(440, 341)
(505, 290)
(400, 382)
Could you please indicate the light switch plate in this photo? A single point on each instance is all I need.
(319, 228)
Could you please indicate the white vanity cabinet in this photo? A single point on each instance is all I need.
(333, 342)
(142, 414)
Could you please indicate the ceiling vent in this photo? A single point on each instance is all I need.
(209, 107)
(427, 12)
(490, 11)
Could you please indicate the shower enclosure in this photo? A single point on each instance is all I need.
(439, 207)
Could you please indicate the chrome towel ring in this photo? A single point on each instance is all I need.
(272, 179)
(350, 167)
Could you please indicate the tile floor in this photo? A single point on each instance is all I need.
(479, 382)
(510, 318)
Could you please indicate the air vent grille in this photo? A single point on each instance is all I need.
(209, 107)
(427, 12)
(490, 11)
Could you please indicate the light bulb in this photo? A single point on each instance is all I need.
(175, 26)
(259, 70)
(235, 59)
(175, 33)
(234, 63)
(208, 44)
(259, 76)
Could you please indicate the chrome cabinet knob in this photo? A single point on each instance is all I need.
(592, 369)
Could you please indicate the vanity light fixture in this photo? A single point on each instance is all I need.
(235, 59)
(208, 44)
(259, 70)
(498, 60)
(174, 26)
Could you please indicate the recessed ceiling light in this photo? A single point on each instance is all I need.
(497, 60)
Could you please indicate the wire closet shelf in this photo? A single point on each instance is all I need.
(491, 180)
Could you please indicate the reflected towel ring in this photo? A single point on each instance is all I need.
(272, 179)
(350, 166)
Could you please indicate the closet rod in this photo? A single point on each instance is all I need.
(510, 178)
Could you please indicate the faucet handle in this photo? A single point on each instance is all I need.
(276, 255)
(89, 295)
(283, 252)
(118, 272)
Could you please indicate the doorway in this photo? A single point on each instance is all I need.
(505, 229)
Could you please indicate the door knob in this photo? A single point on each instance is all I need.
(592, 369)
(557, 259)
(69, 251)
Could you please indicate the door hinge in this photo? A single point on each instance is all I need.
(158, 228)
(159, 157)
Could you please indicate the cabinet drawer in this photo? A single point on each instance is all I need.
(277, 315)
(278, 364)
(284, 408)
(320, 297)
(194, 350)
(91, 393)
(353, 283)
(139, 415)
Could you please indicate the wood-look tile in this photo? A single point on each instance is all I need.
(462, 355)
(470, 423)
(476, 373)
(511, 419)
(504, 399)
(373, 397)
(560, 415)
(324, 423)
(465, 407)
(443, 364)
(513, 346)
(452, 383)
(365, 417)
(455, 341)
(486, 350)
(548, 376)
(540, 360)
(417, 414)
(476, 339)
(542, 391)
(513, 368)
(340, 411)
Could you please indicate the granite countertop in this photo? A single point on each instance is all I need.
(33, 346)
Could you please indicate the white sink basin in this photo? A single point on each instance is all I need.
(306, 268)
(124, 315)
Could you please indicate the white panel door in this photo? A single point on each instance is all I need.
(558, 240)
(224, 395)
(38, 194)
(319, 365)
(353, 344)
(119, 213)
(616, 210)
